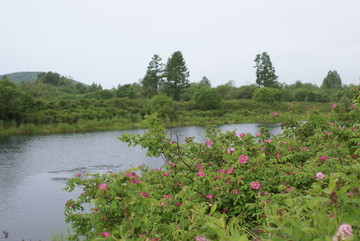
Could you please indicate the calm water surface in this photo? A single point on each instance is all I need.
(34, 169)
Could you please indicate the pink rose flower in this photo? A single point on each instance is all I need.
(275, 114)
(209, 143)
(255, 185)
(230, 171)
(201, 238)
(320, 175)
(105, 234)
(209, 196)
(78, 174)
(201, 174)
(144, 194)
(229, 150)
(334, 106)
(166, 174)
(243, 159)
(344, 232)
(323, 158)
(102, 186)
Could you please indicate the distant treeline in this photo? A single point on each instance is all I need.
(53, 98)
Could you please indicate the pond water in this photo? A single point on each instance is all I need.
(34, 169)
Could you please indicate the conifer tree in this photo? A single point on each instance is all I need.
(176, 76)
(265, 72)
(153, 76)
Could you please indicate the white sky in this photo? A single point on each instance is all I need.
(111, 42)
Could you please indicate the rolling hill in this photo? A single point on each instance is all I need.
(19, 77)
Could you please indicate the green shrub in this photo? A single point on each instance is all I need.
(300, 185)
(207, 99)
(267, 94)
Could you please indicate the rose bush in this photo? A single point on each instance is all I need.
(230, 186)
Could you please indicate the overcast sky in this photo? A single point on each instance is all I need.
(111, 42)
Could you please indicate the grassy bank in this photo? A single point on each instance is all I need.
(234, 112)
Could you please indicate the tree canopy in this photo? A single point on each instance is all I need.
(265, 72)
(153, 76)
(176, 76)
(332, 80)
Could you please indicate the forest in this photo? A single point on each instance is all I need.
(48, 98)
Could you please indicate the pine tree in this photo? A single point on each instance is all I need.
(265, 72)
(153, 76)
(176, 76)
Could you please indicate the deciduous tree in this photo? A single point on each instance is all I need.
(331, 81)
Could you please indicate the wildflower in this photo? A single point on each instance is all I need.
(177, 204)
(222, 171)
(201, 238)
(78, 174)
(179, 184)
(231, 169)
(102, 186)
(334, 106)
(267, 141)
(217, 177)
(344, 232)
(257, 134)
(320, 175)
(144, 194)
(236, 191)
(350, 194)
(199, 167)
(105, 234)
(166, 174)
(168, 196)
(323, 158)
(209, 143)
(201, 174)
(288, 189)
(243, 159)
(163, 204)
(209, 196)
(255, 185)
(241, 135)
(353, 105)
(262, 148)
(275, 114)
(229, 150)
(224, 210)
